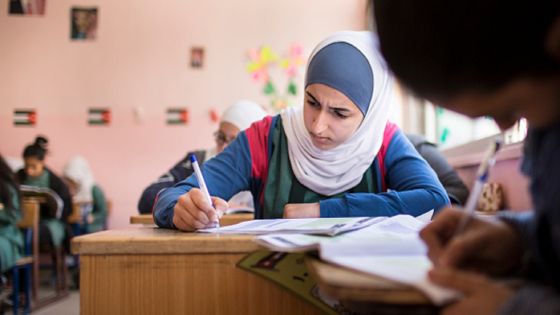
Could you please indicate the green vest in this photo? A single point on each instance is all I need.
(11, 239)
(282, 187)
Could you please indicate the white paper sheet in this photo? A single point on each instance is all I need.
(321, 226)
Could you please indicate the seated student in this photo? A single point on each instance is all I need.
(336, 157)
(453, 184)
(479, 59)
(79, 178)
(236, 118)
(53, 230)
(11, 239)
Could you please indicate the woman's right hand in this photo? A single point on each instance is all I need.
(489, 246)
(192, 211)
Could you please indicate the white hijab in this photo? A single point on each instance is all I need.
(243, 113)
(329, 172)
(77, 169)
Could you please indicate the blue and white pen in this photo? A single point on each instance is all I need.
(202, 184)
(481, 178)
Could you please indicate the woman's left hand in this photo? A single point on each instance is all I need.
(481, 295)
(302, 210)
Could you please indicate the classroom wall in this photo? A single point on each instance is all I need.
(138, 66)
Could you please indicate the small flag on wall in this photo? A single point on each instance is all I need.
(25, 117)
(177, 116)
(99, 116)
(214, 116)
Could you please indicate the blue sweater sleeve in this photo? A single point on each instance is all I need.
(413, 187)
(225, 174)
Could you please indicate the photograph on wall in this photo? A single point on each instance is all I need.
(83, 23)
(197, 57)
(27, 7)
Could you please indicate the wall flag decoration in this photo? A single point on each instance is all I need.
(177, 116)
(25, 117)
(99, 116)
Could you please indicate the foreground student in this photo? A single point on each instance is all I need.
(499, 59)
(236, 118)
(336, 157)
(53, 230)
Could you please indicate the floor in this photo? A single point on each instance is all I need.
(68, 306)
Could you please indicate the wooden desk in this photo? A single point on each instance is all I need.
(228, 219)
(146, 270)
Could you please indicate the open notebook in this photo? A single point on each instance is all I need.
(389, 248)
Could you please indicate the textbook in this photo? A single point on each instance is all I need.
(390, 248)
(315, 226)
(51, 198)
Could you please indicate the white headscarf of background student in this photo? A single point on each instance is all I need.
(332, 171)
(235, 118)
(82, 185)
(78, 171)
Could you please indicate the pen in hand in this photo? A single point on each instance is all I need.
(481, 178)
(202, 185)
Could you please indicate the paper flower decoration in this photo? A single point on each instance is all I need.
(263, 60)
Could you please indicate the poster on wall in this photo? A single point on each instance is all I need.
(99, 116)
(197, 57)
(25, 117)
(177, 116)
(27, 7)
(83, 23)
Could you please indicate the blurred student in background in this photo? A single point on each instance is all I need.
(236, 118)
(53, 229)
(78, 176)
(11, 239)
(453, 184)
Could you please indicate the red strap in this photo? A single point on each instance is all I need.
(257, 136)
(388, 134)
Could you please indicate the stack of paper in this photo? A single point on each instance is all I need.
(317, 226)
(381, 231)
(389, 248)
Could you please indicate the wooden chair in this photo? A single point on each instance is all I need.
(76, 219)
(57, 254)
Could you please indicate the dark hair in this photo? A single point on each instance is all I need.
(442, 48)
(38, 149)
(7, 179)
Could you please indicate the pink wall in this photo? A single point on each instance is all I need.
(140, 62)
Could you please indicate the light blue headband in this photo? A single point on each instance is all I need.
(343, 67)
